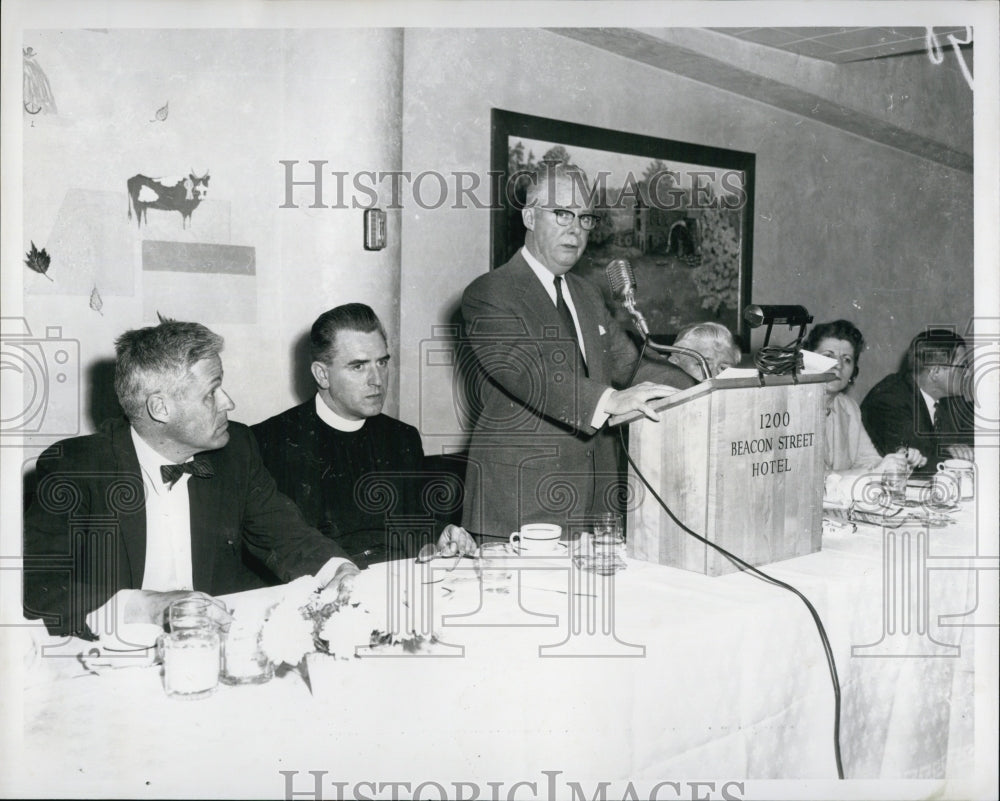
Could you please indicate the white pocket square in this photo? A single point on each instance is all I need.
(600, 330)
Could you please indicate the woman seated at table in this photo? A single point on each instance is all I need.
(713, 341)
(848, 446)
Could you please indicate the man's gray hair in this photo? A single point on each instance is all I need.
(709, 339)
(158, 359)
(547, 176)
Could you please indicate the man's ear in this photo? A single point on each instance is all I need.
(158, 407)
(320, 375)
(528, 217)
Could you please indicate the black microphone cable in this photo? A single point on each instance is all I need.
(780, 359)
(758, 573)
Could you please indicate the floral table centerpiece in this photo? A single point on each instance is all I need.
(316, 630)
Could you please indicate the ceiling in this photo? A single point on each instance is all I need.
(703, 55)
(841, 45)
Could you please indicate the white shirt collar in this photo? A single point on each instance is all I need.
(150, 462)
(334, 420)
(547, 277)
(544, 274)
(930, 402)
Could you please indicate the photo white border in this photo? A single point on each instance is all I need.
(18, 15)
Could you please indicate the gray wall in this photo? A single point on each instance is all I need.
(239, 102)
(844, 226)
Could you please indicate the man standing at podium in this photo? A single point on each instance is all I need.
(551, 359)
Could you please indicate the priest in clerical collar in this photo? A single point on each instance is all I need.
(352, 470)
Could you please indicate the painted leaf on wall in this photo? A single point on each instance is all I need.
(38, 260)
(95, 302)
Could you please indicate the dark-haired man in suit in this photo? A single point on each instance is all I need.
(157, 507)
(921, 406)
(351, 469)
(553, 362)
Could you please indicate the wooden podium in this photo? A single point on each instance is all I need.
(737, 461)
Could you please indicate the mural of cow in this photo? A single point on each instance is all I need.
(170, 194)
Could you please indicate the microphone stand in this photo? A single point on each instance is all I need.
(770, 325)
(701, 360)
(628, 301)
(623, 289)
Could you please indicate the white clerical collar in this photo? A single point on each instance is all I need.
(150, 462)
(334, 420)
(545, 275)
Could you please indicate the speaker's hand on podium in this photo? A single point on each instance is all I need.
(637, 398)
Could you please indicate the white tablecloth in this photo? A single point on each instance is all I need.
(674, 678)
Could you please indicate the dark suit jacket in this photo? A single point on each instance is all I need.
(85, 530)
(298, 449)
(894, 413)
(956, 419)
(533, 454)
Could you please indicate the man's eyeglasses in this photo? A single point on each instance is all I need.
(588, 222)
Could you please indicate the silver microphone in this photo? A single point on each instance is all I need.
(621, 279)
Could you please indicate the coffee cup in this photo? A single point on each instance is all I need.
(536, 538)
(964, 473)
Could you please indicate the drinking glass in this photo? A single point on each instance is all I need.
(607, 527)
(190, 613)
(495, 575)
(243, 660)
(894, 479)
(190, 662)
(604, 551)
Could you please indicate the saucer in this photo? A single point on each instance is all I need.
(539, 547)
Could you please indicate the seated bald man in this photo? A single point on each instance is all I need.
(713, 341)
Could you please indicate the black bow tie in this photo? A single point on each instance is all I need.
(200, 468)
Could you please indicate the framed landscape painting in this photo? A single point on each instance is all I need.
(680, 213)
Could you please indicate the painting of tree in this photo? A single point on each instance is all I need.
(682, 224)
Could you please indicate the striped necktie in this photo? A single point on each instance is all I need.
(567, 320)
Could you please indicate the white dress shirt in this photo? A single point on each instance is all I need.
(168, 524)
(168, 537)
(168, 540)
(931, 405)
(547, 278)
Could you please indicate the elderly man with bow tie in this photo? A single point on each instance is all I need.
(158, 506)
